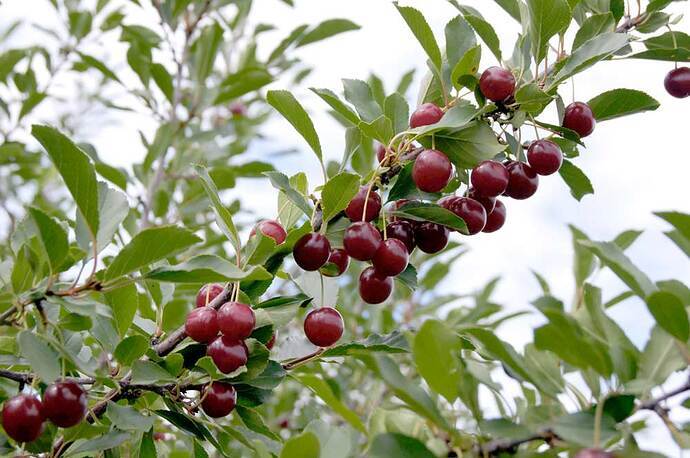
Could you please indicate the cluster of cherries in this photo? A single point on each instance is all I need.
(64, 404)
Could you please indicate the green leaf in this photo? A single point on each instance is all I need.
(243, 82)
(425, 211)
(659, 359)
(325, 393)
(680, 221)
(338, 105)
(621, 102)
(576, 180)
(98, 65)
(113, 208)
(456, 117)
(436, 352)
(468, 146)
(497, 349)
(124, 303)
(164, 81)
(669, 312)
(464, 71)
(76, 168)
(31, 102)
(460, 39)
(280, 181)
(578, 428)
(43, 360)
(399, 446)
(207, 268)
(305, 445)
(290, 108)
(337, 193)
(254, 421)
(359, 94)
(130, 349)
(421, 30)
(511, 7)
(105, 442)
(325, 30)
(593, 26)
(53, 237)
(149, 246)
(396, 109)
(223, 215)
(128, 418)
(483, 28)
(532, 99)
(205, 49)
(148, 372)
(390, 343)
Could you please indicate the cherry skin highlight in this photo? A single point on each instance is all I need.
(207, 293)
(219, 399)
(323, 326)
(403, 231)
(391, 257)
(65, 404)
(431, 171)
(22, 418)
(523, 181)
(489, 179)
(201, 324)
(497, 84)
(545, 157)
(361, 240)
(677, 82)
(337, 264)
(270, 228)
(374, 287)
(355, 209)
(431, 237)
(426, 114)
(227, 354)
(496, 218)
(472, 212)
(579, 117)
(236, 320)
(487, 202)
(311, 251)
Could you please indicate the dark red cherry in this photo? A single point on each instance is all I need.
(219, 399)
(426, 114)
(391, 257)
(227, 354)
(523, 181)
(594, 453)
(207, 293)
(403, 231)
(236, 320)
(579, 117)
(487, 202)
(431, 237)
(374, 287)
(270, 228)
(323, 326)
(337, 263)
(201, 324)
(271, 342)
(380, 152)
(489, 178)
(447, 202)
(497, 84)
(65, 404)
(545, 157)
(311, 251)
(472, 212)
(355, 209)
(361, 240)
(22, 418)
(496, 218)
(431, 171)
(677, 82)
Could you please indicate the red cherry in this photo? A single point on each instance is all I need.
(496, 218)
(323, 326)
(65, 404)
(361, 240)
(270, 228)
(22, 418)
(472, 212)
(391, 257)
(426, 114)
(447, 202)
(487, 202)
(227, 354)
(201, 324)
(207, 293)
(311, 251)
(340, 261)
(579, 117)
(545, 157)
(594, 453)
(374, 287)
(238, 109)
(490, 178)
(523, 181)
(431, 237)
(431, 171)
(380, 152)
(271, 342)
(677, 82)
(355, 209)
(236, 320)
(403, 231)
(219, 399)
(497, 84)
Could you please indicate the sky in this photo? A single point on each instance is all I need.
(637, 165)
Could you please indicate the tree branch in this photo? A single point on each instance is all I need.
(498, 446)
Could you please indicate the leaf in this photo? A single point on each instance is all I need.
(460, 39)
(105, 442)
(280, 181)
(680, 221)
(531, 98)
(31, 102)
(164, 81)
(593, 26)
(578, 428)
(457, 117)
(338, 105)
(483, 28)
(396, 109)
(326, 29)
(130, 349)
(436, 352)
(149, 246)
(669, 312)
(207, 268)
(205, 49)
(659, 359)
(422, 32)
(425, 211)
(337, 193)
(148, 372)
(576, 180)
(398, 445)
(113, 208)
(497, 349)
(464, 71)
(305, 445)
(243, 82)
(127, 418)
(124, 303)
(325, 393)
(621, 102)
(254, 421)
(223, 215)
(98, 65)
(389, 343)
(468, 146)
(53, 237)
(290, 108)
(76, 169)
(359, 94)
(42, 358)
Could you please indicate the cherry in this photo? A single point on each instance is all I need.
(431, 237)
(236, 320)
(207, 293)
(374, 287)
(489, 178)
(579, 117)
(339, 261)
(238, 109)
(677, 82)
(361, 240)
(201, 324)
(447, 202)
(487, 202)
(403, 231)
(523, 181)
(22, 418)
(472, 212)
(271, 342)
(496, 218)
(426, 114)
(270, 228)
(396, 206)
(219, 399)
(323, 326)
(311, 251)
(497, 84)
(431, 171)
(391, 257)
(228, 354)
(65, 404)
(545, 157)
(355, 209)
(380, 152)
(594, 453)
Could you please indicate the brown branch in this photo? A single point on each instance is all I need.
(303, 359)
(653, 404)
(498, 446)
